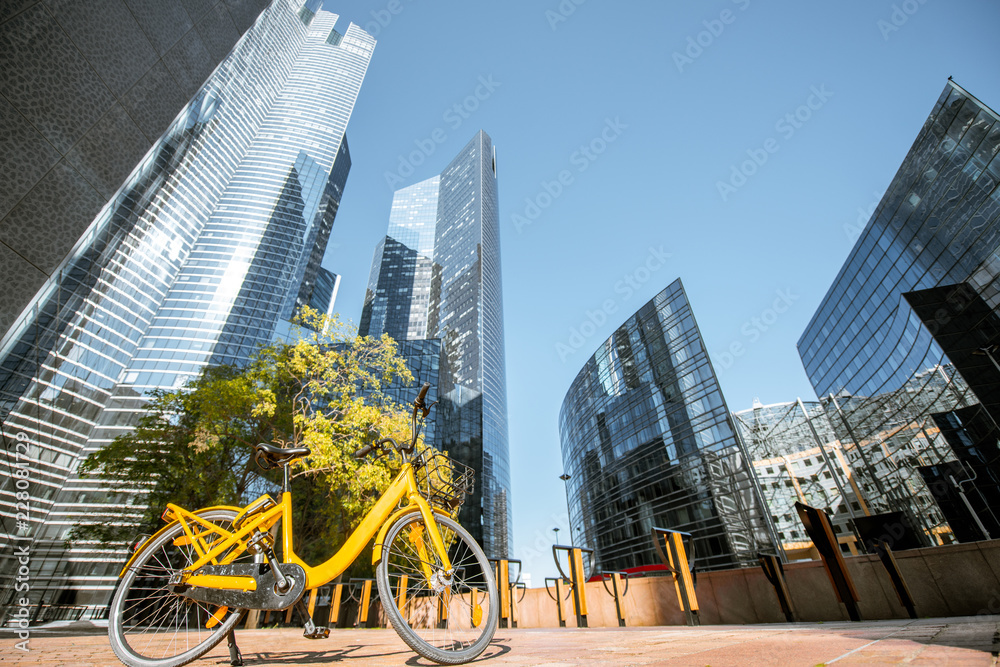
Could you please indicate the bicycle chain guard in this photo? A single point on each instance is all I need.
(265, 597)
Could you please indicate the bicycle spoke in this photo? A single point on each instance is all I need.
(464, 592)
(153, 625)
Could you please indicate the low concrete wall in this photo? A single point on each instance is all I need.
(953, 580)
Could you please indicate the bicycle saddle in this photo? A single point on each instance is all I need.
(269, 456)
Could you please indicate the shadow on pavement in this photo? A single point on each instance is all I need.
(354, 653)
(350, 652)
(494, 650)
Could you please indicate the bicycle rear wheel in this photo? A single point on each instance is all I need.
(151, 626)
(449, 617)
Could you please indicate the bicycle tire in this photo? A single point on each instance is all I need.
(461, 639)
(142, 599)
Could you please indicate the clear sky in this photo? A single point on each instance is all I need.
(643, 109)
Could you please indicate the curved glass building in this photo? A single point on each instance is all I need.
(216, 236)
(647, 441)
(903, 348)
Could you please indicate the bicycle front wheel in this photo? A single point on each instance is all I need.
(151, 626)
(448, 616)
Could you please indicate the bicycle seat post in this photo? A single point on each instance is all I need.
(286, 483)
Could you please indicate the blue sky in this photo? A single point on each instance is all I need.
(667, 98)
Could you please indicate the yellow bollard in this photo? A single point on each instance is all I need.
(444, 602)
(616, 586)
(334, 617)
(477, 609)
(676, 560)
(401, 594)
(682, 580)
(515, 612)
(366, 597)
(579, 586)
(312, 601)
(503, 582)
(559, 603)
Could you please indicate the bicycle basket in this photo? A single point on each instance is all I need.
(445, 482)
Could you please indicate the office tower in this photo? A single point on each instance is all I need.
(212, 240)
(435, 283)
(792, 466)
(86, 88)
(904, 342)
(647, 443)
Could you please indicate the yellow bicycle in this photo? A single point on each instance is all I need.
(185, 588)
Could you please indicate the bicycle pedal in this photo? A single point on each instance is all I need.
(317, 633)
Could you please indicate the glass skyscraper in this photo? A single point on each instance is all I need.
(647, 442)
(215, 237)
(436, 278)
(902, 350)
(86, 89)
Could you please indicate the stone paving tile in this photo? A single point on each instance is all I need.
(924, 642)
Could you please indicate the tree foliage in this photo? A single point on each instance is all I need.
(325, 391)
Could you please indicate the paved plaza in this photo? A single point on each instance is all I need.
(935, 641)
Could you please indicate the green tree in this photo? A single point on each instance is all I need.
(325, 391)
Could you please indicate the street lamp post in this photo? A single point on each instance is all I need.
(565, 478)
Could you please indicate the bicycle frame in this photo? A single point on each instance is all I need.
(210, 541)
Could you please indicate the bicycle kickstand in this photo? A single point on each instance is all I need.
(235, 657)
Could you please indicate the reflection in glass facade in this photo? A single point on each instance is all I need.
(791, 467)
(882, 366)
(436, 275)
(647, 442)
(324, 293)
(213, 239)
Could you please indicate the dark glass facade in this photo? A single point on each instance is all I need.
(972, 506)
(878, 350)
(436, 275)
(647, 442)
(193, 262)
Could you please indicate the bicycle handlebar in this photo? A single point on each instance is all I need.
(418, 405)
(367, 449)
